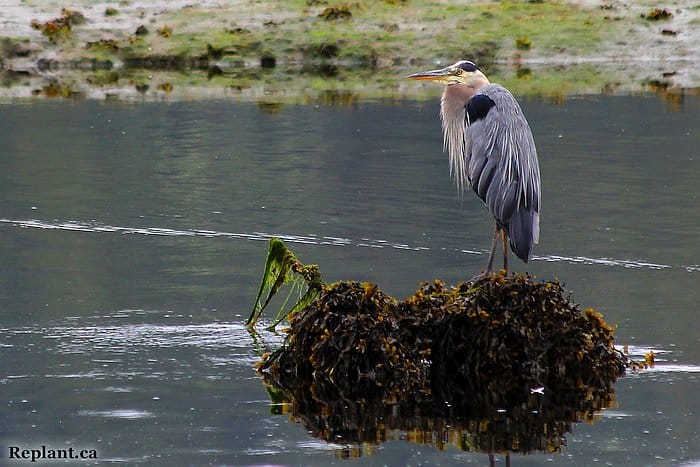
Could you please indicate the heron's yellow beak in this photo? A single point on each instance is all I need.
(447, 75)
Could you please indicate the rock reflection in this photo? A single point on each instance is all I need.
(468, 421)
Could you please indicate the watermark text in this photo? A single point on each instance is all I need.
(48, 453)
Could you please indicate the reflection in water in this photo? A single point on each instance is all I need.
(469, 421)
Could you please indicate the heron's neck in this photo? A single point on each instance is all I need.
(452, 113)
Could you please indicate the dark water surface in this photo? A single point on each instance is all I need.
(132, 239)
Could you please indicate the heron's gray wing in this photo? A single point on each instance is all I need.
(502, 167)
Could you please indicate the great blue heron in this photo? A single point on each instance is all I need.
(490, 147)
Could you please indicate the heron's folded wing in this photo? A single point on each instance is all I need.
(502, 167)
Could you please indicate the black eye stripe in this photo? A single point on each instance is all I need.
(466, 65)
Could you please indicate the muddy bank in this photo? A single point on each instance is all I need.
(316, 50)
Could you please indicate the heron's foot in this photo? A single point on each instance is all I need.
(479, 277)
(487, 274)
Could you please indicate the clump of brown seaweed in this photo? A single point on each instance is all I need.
(60, 28)
(501, 335)
(348, 341)
(501, 363)
(657, 14)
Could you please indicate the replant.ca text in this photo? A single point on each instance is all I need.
(46, 453)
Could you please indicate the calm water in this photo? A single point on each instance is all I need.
(132, 238)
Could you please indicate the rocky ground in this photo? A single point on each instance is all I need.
(323, 50)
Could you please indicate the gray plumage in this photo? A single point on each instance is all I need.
(501, 162)
(496, 155)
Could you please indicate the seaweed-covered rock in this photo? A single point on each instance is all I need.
(500, 334)
(502, 363)
(510, 334)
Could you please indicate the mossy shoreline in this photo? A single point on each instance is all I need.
(304, 49)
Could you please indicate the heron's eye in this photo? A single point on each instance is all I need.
(458, 71)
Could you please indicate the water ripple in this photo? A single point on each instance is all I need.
(144, 350)
(312, 239)
(125, 414)
(127, 337)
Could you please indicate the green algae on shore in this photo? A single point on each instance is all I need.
(542, 48)
(380, 34)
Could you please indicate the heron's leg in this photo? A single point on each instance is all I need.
(505, 249)
(494, 244)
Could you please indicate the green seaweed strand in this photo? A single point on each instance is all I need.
(282, 267)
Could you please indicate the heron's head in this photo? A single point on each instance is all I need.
(463, 72)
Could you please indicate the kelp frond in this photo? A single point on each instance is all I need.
(282, 267)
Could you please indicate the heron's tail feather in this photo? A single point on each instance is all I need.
(523, 231)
